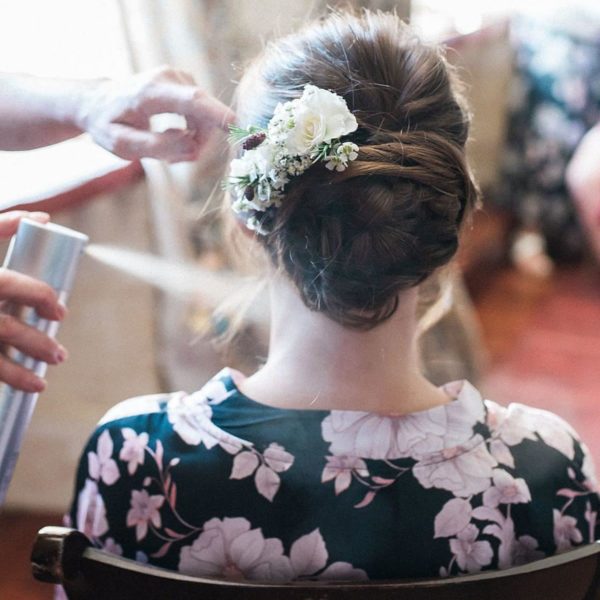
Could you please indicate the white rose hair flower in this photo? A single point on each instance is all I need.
(301, 133)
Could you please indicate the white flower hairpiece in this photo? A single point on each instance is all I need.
(300, 133)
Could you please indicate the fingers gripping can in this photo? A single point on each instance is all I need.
(51, 254)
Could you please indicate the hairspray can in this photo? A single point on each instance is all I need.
(49, 253)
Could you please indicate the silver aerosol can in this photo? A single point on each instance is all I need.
(49, 253)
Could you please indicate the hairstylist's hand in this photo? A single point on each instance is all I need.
(19, 288)
(117, 115)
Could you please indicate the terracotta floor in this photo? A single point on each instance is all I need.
(544, 344)
(17, 532)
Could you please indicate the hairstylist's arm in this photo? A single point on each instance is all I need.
(36, 112)
(583, 171)
(583, 181)
(21, 289)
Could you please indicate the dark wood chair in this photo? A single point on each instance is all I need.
(65, 556)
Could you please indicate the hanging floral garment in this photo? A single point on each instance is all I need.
(217, 484)
(554, 100)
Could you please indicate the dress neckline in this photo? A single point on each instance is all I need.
(459, 391)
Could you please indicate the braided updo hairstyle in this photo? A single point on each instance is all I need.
(351, 241)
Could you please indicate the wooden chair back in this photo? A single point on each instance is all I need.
(65, 556)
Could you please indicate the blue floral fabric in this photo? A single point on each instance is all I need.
(214, 483)
(554, 101)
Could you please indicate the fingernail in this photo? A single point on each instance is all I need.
(61, 310)
(61, 354)
(38, 384)
(40, 215)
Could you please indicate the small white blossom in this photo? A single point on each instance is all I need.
(279, 179)
(340, 156)
(263, 191)
(282, 121)
(349, 150)
(335, 163)
(300, 133)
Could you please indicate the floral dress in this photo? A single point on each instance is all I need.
(214, 483)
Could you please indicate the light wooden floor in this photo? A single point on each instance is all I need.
(544, 345)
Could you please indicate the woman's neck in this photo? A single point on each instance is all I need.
(316, 363)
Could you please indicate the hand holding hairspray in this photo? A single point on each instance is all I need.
(51, 254)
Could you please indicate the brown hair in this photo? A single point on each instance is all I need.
(351, 241)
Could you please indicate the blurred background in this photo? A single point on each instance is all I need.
(525, 321)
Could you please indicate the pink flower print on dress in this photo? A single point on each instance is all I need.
(565, 531)
(588, 469)
(504, 530)
(464, 471)
(343, 571)
(554, 431)
(278, 458)
(369, 435)
(101, 465)
(134, 449)
(453, 518)
(267, 480)
(230, 548)
(340, 468)
(506, 490)
(144, 510)
(266, 466)
(461, 416)
(374, 436)
(191, 418)
(112, 547)
(525, 550)
(508, 428)
(215, 391)
(244, 464)
(91, 513)
(470, 554)
(509, 424)
(308, 556)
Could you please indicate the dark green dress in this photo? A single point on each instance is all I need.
(214, 483)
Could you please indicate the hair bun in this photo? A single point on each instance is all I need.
(423, 159)
(351, 241)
